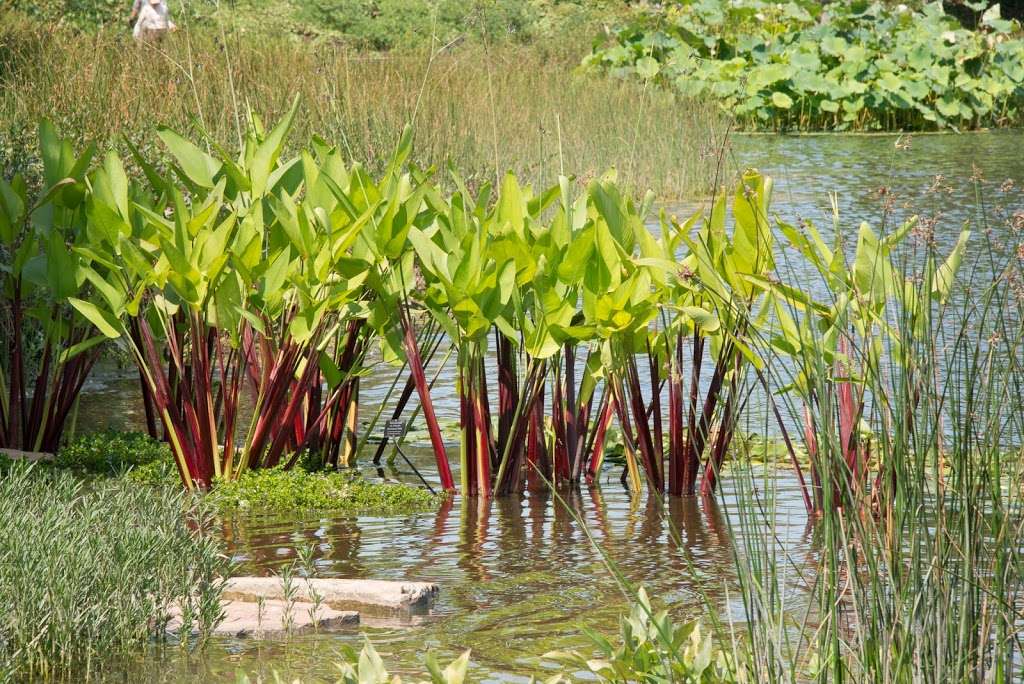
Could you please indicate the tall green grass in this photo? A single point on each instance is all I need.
(483, 109)
(88, 570)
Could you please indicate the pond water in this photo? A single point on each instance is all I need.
(519, 577)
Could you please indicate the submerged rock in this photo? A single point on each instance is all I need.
(275, 618)
(339, 594)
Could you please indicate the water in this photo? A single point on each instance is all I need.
(519, 577)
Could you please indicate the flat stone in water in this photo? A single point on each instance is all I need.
(275, 618)
(31, 456)
(337, 593)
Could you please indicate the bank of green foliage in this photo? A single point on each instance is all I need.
(91, 14)
(111, 452)
(391, 23)
(371, 24)
(850, 66)
(299, 490)
(143, 460)
(88, 570)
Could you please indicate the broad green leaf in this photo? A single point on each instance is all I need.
(198, 166)
(106, 322)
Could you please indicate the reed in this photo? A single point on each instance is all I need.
(913, 568)
(90, 570)
(483, 109)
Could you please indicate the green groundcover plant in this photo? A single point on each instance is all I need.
(336, 491)
(848, 66)
(143, 460)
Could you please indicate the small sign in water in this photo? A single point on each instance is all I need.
(394, 429)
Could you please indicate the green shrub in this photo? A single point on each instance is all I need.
(857, 65)
(112, 452)
(386, 24)
(90, 14)
(299, 490)
(88, 569)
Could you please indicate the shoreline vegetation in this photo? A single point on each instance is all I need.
(137, 458)
(804, 65)
(465, 101)
(90, 571)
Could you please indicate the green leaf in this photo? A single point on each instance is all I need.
(266, 155)
(106, 322)
(782, 100)
(942, 282)
(199, 167)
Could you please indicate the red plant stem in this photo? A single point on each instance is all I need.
(691, 456)
(699, 434)
(466, 424)
(508, 390)
(676, 446)
(277, 447)
(168, 410)
(606, 410)
(643, 431)
(558, 423)
(510, 477)
(618, 400)
(273, 395)
(203, 469)
(230, 384)
(403, 399)
(485, 406)
(722, 440)
(536, 456)
(416, 367)
(654, 409)
(206, 430)
(72, 377)
(147, 396)
(569, 410)
(35, 414)
(481, 428)
(15, 427)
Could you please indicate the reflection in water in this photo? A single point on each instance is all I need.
(519, 575)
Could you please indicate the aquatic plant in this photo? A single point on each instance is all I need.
(840, 346)
(271, 277)
(239, 286)
(916, 575)
(652, 648)
(50, 348)
(299, 490)
(110, 452)
(844, 66)
(90, 571)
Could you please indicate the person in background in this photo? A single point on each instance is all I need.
(154, 19)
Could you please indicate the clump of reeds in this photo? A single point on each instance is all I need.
(90, 569)
(913, 568)
(483, 109)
